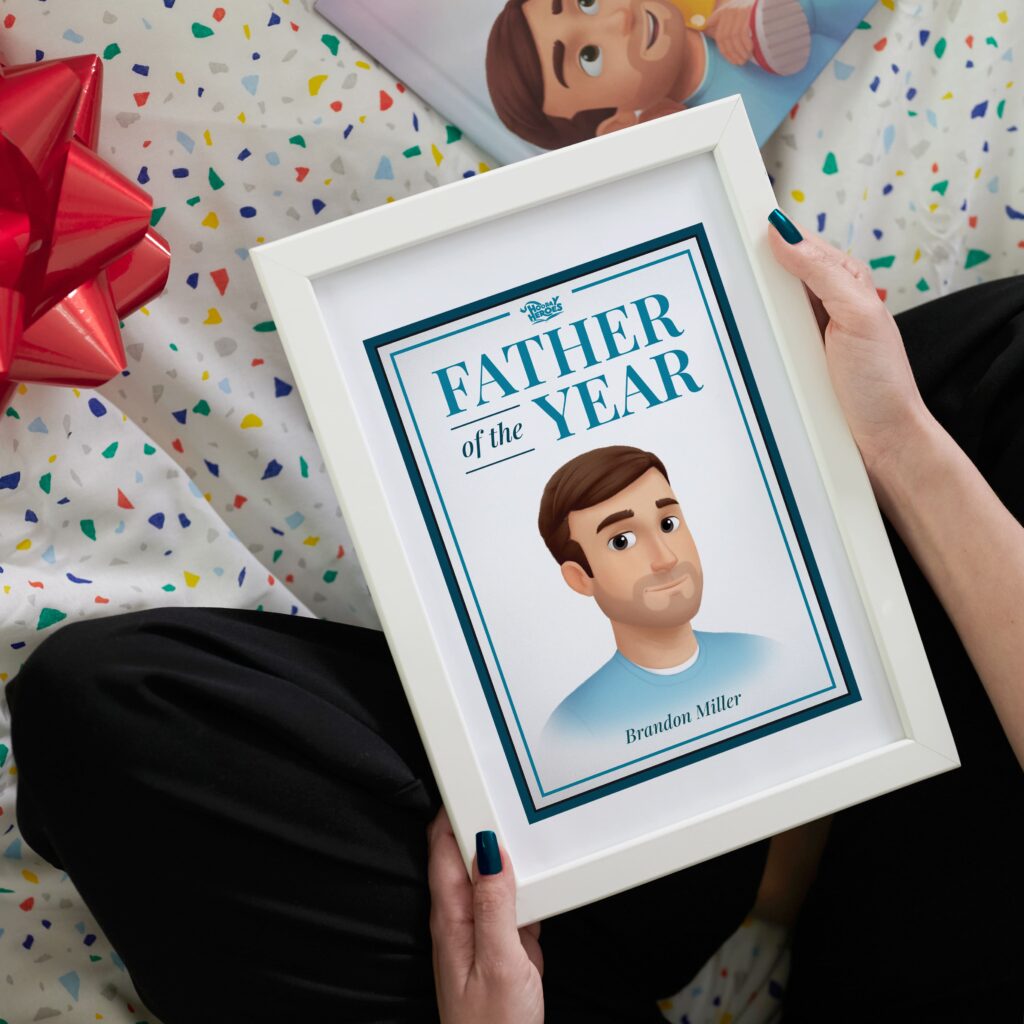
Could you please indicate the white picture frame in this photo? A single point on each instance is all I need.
(890, 732)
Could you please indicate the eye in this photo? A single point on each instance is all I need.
(587, 6)
(590, 60)
(622, 541)
(670, 524)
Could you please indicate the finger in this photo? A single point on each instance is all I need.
(451, 901)
(494, 908)
(847, 295)
(530, 941)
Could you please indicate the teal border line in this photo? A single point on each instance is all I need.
(373, 347)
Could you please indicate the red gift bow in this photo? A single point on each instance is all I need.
(77, 253)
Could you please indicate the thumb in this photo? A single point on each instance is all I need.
(494, 907)
(842, 283)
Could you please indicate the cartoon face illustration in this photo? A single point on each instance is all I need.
(623, 539)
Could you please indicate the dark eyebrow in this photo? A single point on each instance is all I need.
(662, 502)
(558, 59)
(556, 6)
(615, 517)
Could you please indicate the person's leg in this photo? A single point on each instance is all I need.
(241, 799)
(903, 921)
(258, 782)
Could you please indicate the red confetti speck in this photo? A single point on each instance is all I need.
(28, 904)
(882, 292)
(37, 584)
(101, 600)
(792, 113)
(257, 362)
(935, 168)
(271, 580)
(218, 14)
(300, 173)
(240, 500)
(725, 972)
(147, 143)
(881, 44)
(220, 279)
(122, 500)
(9, 21)
(970, 41)
(973, 220)
(336, 105)
(140, 98)
(385, 100)
(289, 578)
(341, 550)
(399, 87)
(177, 446)
(295, 28)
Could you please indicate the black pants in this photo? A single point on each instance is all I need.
(241, 800)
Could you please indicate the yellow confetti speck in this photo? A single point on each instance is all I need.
(437, 155)
(483, 168)
(7, 588)
(52, 458)
(206, 375)
(30, 876)
(13, 770)
(311, 541)
(315, 82)
(207, 137)
(948, 96)
(890, 4)
(241, 117)
(899, 174)
(977, 173)
(191, 579)
(798, 195)
(180, 77)
(210, 220)
(24, 545)
(251, 420)
(362, 119)
(933, 207)
(917, 255)
(208, 496)
(1003, 17)
(327, 181)
(144, 310)
(248, 34)
(3, 675)
(362, 64)
(260, 238)
(390, 199)
(213, 317)
(75, 392)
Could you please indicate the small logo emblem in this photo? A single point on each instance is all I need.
(538, 312)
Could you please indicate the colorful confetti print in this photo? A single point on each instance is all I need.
(195, 478)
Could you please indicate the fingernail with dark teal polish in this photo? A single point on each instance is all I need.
(785, 227)
(488, 856)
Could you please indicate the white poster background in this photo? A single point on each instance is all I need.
(539, 638)
(450, 271)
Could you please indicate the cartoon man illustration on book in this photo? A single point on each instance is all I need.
(614, 524)
(560, 71)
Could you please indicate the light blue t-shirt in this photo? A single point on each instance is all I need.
(766, 96)
(622, 695)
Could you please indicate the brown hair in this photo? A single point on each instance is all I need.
(587, 480)
(516, 85)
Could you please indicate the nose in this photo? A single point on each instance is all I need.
(663, 557)
(623, 20)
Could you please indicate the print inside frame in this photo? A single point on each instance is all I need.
(640, 263)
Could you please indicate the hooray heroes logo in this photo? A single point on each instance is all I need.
(569, 349)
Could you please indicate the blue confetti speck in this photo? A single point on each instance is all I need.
(10, 481)
(281, 388)
(96, 407)
(72, 37)
(273, 469)
(157, 520)
(37, 426)
(186, 141)
(251, 83)
(212, 467)
(248, 211)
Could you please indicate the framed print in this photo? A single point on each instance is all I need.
(620, 539)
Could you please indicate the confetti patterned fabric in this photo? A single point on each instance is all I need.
(194, 478)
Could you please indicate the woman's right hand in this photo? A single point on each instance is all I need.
(867, 360)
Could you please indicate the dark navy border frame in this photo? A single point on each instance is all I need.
(374, 347)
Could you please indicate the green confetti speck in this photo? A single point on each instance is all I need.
(44, 483)
(1000, 108)
(277, 554)
(3, 761)
(88, 528)
(111, 51)
(109, 451)
(454, 134)
(173, 347)
(940, 47)
(864, 24)
(991, 41)
(303, 466)
(48, 616)
(911, 113)
(974, 257)
(192, 201)
(298, 140)
(168, 587)
(922, 285)
(331, 42)
(330, 576)
(830, 166)
(215, 180)
(882, 261)
(148, 449)
(201, 31)
(264, 326)
(93, 957)
(154, 217)
(11, 411)
(201, 408)
(940, 187)
(412, 151)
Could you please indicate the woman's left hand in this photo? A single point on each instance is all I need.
(485, 968)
